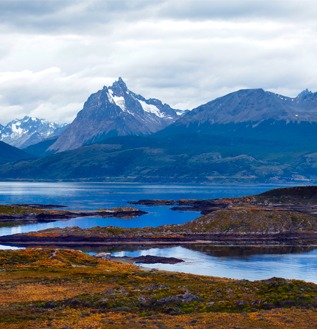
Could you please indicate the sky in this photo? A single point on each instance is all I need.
(55, 53)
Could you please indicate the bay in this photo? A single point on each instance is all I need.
(103, 195)
(301, 264)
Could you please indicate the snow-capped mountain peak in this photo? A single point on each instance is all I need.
(115, 110)
(29, 130)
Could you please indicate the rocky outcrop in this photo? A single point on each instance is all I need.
(148, 259)
(103, 255)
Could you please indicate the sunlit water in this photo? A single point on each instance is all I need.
(91, 196)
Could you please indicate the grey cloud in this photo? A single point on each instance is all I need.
(20, 8)
(233, 9)
(85, 16)
(72, 16)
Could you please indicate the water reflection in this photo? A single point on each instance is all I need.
(301, 264)
(247, 251)
(2, 247)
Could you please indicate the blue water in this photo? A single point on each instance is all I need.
(100, 195)
(302, 265)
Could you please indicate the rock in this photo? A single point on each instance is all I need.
(187, 297)
(148, 259)
(104, 255)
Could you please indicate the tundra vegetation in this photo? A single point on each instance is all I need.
(51, 288)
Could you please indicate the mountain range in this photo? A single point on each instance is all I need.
(24, 132)
(250, 135)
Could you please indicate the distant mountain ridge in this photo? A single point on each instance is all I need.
(115, 111)
(254, 105)
(24, 132)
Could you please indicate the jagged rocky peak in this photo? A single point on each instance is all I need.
(119, 86)
(115, 111)
(128, 101)
(307, 97)
(303, 94)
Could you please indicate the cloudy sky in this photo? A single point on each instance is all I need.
(55, 53)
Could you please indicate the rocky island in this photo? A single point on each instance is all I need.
(17, 214)
(279, 217)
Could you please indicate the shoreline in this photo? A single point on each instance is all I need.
(149, 243)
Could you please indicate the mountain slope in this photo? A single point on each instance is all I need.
(39, 150)
(114, 111)
(191, 158)
(9, 153)
(28, 131)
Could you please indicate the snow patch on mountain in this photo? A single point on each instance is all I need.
(151, 109)
(16, 129)
(117, 100)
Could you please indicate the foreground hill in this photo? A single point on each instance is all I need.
(47, 288)
(9, 153)
(302, 195)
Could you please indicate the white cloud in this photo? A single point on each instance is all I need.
(54, 54)
(46, 94)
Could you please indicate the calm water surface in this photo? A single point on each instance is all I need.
(300, 265)
(100, 195)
